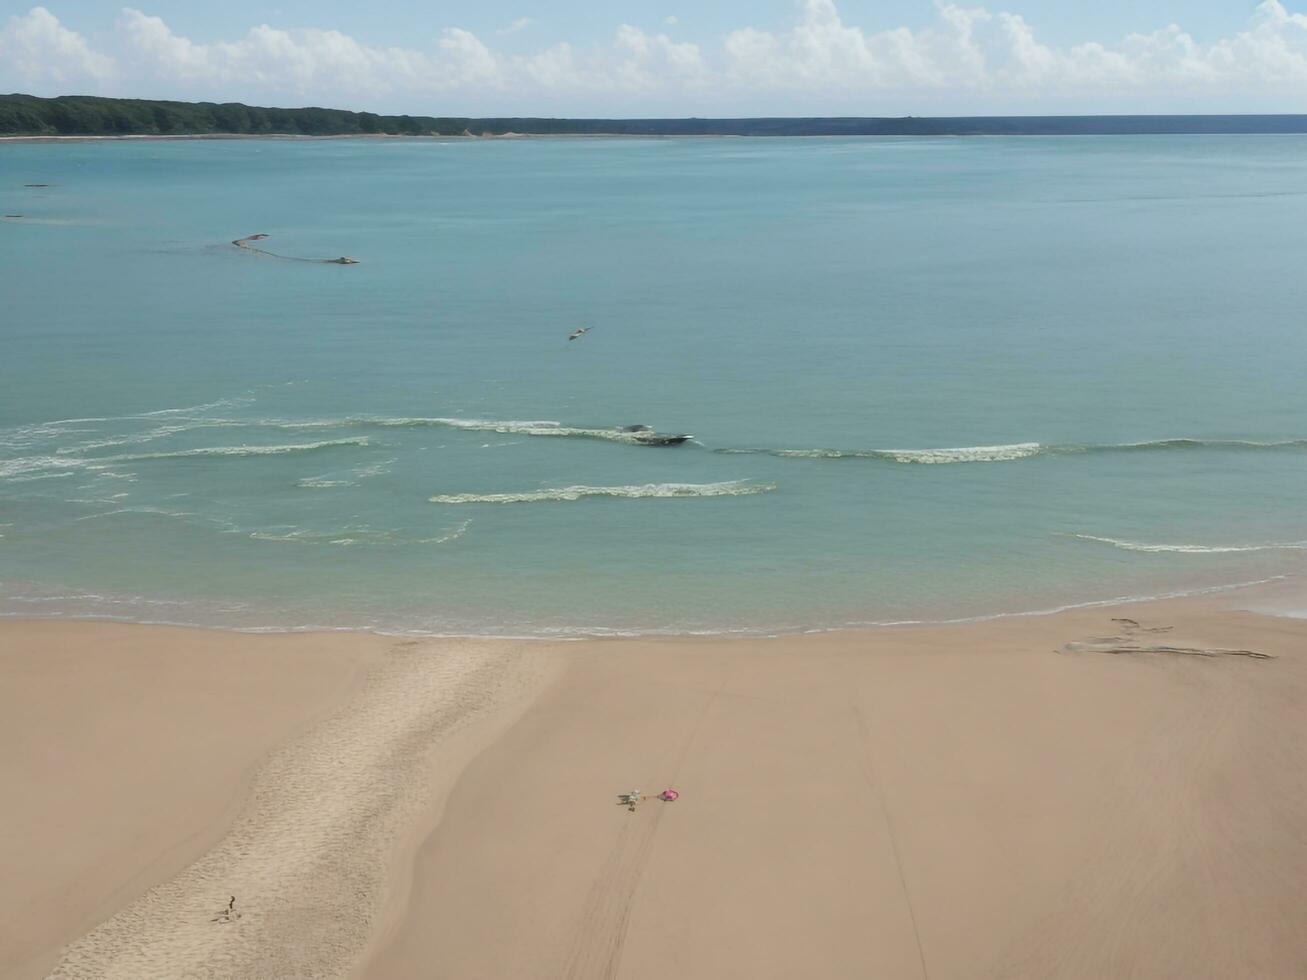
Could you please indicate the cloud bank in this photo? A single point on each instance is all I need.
(969, 59)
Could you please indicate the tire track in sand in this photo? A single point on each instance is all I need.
(600, 934)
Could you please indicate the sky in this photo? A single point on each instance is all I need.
(670, 57)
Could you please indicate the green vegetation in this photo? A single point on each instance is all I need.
(79, 115)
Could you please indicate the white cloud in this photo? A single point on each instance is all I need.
(967, 59)
(654, 60)
(999, 55)
(299, 63)
(521, 24)
(38, 54)
(671, 20)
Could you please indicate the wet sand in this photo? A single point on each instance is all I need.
(1067, 796)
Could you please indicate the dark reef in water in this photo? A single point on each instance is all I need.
(245, 244)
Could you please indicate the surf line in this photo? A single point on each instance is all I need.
(245, 244)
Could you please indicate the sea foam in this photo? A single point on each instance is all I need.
(511, 427)
(961, 454)
(734, 488)
(1025, 450)
(301, 447)
(1193, 549)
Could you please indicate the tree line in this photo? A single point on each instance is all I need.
(81, 115)
(78, 115)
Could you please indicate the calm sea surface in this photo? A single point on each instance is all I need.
(926, 378)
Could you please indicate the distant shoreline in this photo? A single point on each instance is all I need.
(423, 137)
(301, 137)
(29, 118)
(176, 137)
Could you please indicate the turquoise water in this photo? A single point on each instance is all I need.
(1104, 336)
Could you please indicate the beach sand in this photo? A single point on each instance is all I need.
(125, 752)
(1063, 796)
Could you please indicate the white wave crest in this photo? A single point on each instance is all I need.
(1194, 549)
(180, 515)
(36, 467)
(351, 534)
(965, 454)
(735, 488)
(512, 427)
(961, 454)
(300, 447)
(1189, 442)
(150, 435)
(235, 402)
(344, 536)
(297, 534)
(453, 535)
(347, 478)
(38, 476)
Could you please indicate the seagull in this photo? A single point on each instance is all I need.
(578, 332)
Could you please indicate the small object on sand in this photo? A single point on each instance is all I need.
(629, 800)
(668, 795)
(578, 332)
(227, 914)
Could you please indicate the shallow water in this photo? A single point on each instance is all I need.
(927, 378)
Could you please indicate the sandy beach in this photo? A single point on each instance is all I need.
(1064, 796)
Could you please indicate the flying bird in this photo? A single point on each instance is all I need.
(578, 332)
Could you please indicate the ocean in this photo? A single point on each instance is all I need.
(925, 378)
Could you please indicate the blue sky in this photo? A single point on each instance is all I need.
(583, 21)
(580, 57)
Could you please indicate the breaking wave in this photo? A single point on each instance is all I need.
(164, 423)
(353, 534)
(1021, 450)
(346, 478)
(1188, 443)
(180, 515)
(963, 454)
(735, 488)
(451, 535)
(1193, 549)
(36, 467)
(300, 447)
(507, 427)
(344, 536)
